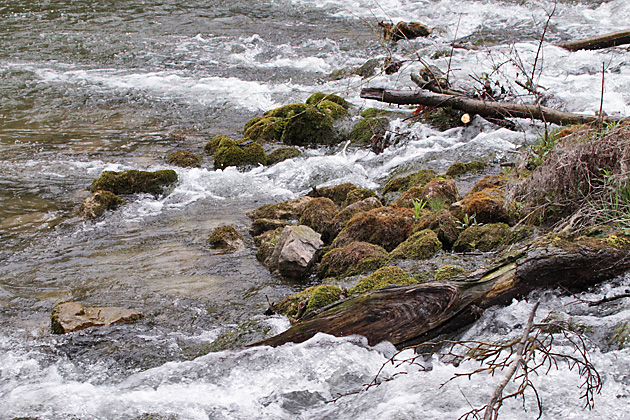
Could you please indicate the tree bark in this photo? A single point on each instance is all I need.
(483, 108)
(598, 42)
(408, 315)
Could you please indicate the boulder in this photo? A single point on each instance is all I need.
(416, 179)
(367, 129)
(231, 153)
(134, 181)
(296, 251)
(337, 193)
(262, 225)
(96, 204)
(444, 224)
(72, 316)
(341, 219)
(266, 243)
(282, 154)
(460, 168)
(358, 194)
(488, 206)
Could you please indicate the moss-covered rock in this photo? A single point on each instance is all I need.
(460, 168)
(358, 194)
(356, 258)
(416, 179)
(301, 125)
(226, 238)
(264, 129)
(229, 153)
(490, 181)
(334, 110)
(337, 193)
(134, 181)
(385, 226)
(323, 295)
(314, 297)
(286, 210)
(341, 219)
(444, 224)
(95, 205)
(441, 190)
(366, 129)
(380, 278)
(375, 112)
(317, 98)
(419, 246)
(184, 159)
(483, 238)
(488, 206)
(448, 271)
(319, 215)
(266, 243)
(262, 225)
(519, 233)
(282, 154)
(212, 146)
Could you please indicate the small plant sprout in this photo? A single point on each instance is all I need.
(418, 205)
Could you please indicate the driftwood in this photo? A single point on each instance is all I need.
(598, 42)
(407, 315)
(483, 108)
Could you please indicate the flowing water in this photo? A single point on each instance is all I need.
(87, 86)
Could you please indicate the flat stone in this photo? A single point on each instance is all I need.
(295, 251)
(72, 316)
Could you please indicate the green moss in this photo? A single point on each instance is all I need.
(266, 243)
(356, 258)
(231, 154)
(311, 126)
(265, 129)
(286, 210)
(334, 110)
(420, 246)
(444, 224)
(318, 214)
(184, 159)
(287, 111)
(619, 240)
(358, 194)
(98, 202)
(212, 146)
(225, 237)
(460, 168)
(365, 130)
(385, 226)
(483, 238)
(368, 68)
(323, 295)
(133, 181)
(416, 179)
(448, 271)
(487, 205)
(375, 112)
(317, 98)
(380, 278)
(337, 193)
(282, 154)
(262, 225)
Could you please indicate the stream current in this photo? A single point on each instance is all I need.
(88, 86)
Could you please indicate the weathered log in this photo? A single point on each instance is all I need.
(598, 42)
(406, 315)
(483, 108)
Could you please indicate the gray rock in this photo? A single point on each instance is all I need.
(72, 316)
(295, 251)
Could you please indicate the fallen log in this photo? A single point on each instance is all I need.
(408, 315)
(598, 42)
(483, 108)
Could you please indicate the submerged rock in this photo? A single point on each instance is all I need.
(72, 316)
(404, 30)
(367, 129)
(134, 181)
(449, 271)
(184, 159)
(99, 201)
(226, 238)
(230, 153)
(296, 251)
(284, 153)
(460, 168)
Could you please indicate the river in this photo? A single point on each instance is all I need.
(88, 86)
